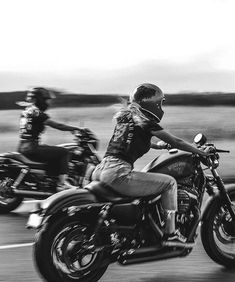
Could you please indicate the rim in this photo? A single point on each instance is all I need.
(70, 253)
(224, 233)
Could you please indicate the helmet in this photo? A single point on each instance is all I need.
(39, 95)
(152, 108)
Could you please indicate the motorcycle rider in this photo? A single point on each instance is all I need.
(136, 124)
(32, 124)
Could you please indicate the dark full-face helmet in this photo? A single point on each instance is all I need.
(39, 96)
(150, 98)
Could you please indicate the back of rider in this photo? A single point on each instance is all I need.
(31, 126)
(130, 141)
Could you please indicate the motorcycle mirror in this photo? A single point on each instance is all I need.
(200, 139)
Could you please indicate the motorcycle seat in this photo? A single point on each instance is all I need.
(104, 192)
(19, 157)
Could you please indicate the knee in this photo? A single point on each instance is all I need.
(172, 184)
(95, 174)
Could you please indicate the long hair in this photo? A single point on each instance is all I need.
(132, 111)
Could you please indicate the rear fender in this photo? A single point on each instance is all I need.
(85, 212)
(65, 199)
(65, 203)
(213, 201)
(69, 198)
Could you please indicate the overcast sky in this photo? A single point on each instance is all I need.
(110, 46)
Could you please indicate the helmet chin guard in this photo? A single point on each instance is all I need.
(152, 109)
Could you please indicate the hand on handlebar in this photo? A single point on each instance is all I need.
(76, 131)
(79, 130)
(86, 130)
(208, 151)
(163, 145)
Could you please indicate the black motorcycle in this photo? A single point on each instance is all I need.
(79, 233)
(22, 178)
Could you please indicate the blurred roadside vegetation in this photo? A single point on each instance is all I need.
(8, 99)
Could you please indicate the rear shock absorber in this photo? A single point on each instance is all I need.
(20, 177)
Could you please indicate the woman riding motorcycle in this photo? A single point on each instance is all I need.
(32, 123)
(131, 139)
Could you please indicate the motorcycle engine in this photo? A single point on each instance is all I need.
(186, 197)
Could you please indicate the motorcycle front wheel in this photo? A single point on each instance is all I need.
(62, 252)
(8, 201)
(218, 234)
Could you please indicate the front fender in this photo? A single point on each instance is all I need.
(213, 201)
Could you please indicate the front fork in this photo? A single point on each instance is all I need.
(224, 195)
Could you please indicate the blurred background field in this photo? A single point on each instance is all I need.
(217, 123)
(66, 99)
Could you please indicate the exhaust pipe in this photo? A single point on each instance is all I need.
(31, 193)
(148, 254)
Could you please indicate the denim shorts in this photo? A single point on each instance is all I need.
(122, 178)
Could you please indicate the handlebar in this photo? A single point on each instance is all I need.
(212, 149)
(212, 159)
(82, 132)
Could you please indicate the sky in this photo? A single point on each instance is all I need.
(111, 46)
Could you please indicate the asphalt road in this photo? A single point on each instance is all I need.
(16, 260)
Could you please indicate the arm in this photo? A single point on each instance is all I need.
(59, 126)
(176, 142)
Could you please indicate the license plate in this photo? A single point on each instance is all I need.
(34, 220)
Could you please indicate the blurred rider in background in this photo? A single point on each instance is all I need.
(136, 124)
(32, 124)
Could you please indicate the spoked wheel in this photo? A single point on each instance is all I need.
(63, 252)
(218, 235)
(8, 201)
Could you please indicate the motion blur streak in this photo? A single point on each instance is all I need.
(15, 246)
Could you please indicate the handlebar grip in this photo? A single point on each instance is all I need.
(222, 151)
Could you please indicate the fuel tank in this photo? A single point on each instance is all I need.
(175, 163)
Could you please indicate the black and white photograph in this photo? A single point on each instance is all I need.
(117, 141)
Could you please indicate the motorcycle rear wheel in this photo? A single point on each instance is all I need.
(218, 235)
(8, 202)
(55, 257)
